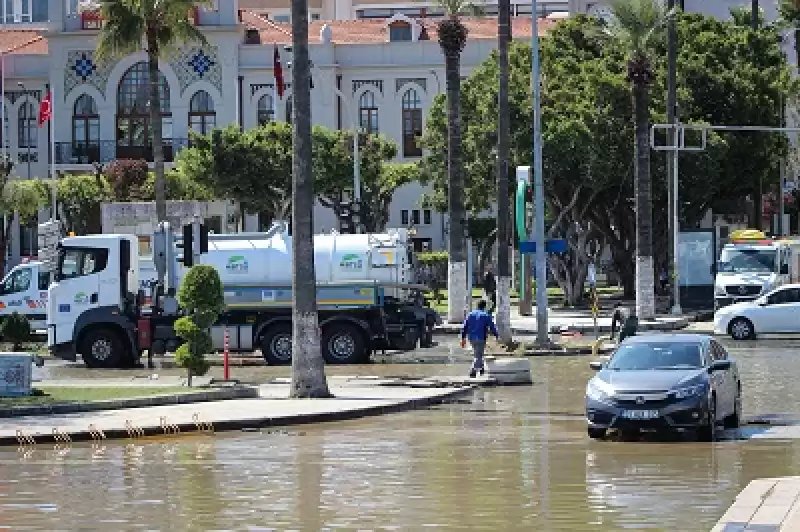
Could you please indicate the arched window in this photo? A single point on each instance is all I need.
(289, 109)
(202, 117)
(368, 112)
(412, 123)
(27, 123)
(85, 131)
(134, 131)
(266, 111)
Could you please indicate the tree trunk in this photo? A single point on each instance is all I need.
(754, 15)
(458, 299)
(157, 131)
(645, 280)
(503, 200)
(308, 368)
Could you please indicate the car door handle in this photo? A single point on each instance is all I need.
(93, 298)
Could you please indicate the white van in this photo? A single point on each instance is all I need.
(24, 290)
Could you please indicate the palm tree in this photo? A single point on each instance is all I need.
(452, 39)
(160, 25)
(308, 368)
(635, 23)
(503, 200)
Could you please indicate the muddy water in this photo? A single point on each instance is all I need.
(507, 459)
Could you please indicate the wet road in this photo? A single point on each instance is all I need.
(507, 459)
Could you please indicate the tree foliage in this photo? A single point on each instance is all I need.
(16, 329)
(127, 178)
(201, 296)
(254, 167)
(727, 75)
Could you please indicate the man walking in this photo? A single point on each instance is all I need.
(477, 327)
(490, 288)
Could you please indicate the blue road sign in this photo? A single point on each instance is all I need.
(551, 246)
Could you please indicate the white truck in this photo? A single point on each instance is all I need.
(365, 296)
(24, 290)
(749, 266)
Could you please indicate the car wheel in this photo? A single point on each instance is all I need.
(741, 329)
(102, 348)
(595, 433)
(734, 421)
(343, 344)
(708, 431)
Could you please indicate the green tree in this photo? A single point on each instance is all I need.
(201, 296)
(80, 198)
(159, 25)
(17, 330)
(308, 367)
(790, 17)
(588, 131)
(24, 197)
(452, 39)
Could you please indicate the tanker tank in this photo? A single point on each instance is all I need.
(363, 257)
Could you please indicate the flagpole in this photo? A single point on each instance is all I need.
(54, 213)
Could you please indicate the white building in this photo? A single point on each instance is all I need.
(381, 74)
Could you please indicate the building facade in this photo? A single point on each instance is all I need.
(379, 75)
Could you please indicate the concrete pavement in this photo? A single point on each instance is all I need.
(353, 398)
(765, 505)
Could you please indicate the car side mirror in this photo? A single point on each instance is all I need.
(719, 365)
(597, 365)
(762, 302)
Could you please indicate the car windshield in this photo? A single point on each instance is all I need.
(641, 356)
(747, 261)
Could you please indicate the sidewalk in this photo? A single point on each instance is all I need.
(766, 505)
(576, 321)
(354, 398)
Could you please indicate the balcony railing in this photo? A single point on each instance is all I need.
(105, 151)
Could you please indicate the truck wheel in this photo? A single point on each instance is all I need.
(276, 345)
(343, 344)
(102, 348)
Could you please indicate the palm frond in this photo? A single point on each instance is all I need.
(637, 22)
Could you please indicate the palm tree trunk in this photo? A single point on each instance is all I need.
(155, 124)
(458, 299)
(645, 272)
(308, 368)
(503, 199)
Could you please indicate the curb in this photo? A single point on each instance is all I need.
(133, 402)
(244, 424)
(454, 329)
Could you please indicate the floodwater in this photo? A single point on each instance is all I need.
(505, 459)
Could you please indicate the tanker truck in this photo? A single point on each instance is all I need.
(366, 297)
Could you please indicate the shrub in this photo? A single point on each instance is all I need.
(17, 329)
(127, 178)
(201, 297)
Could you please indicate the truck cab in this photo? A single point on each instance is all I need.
(750, 266)
(92, 299)
(24, 290)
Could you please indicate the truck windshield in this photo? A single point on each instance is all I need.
(747, 261)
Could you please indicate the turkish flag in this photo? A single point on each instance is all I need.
(46, 109)
(278, 70)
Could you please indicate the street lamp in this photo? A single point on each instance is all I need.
(27, 124)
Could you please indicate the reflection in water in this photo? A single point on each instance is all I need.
(495, 462)
(488, 464)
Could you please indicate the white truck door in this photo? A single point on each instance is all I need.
(82, 267)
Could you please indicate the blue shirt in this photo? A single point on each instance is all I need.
(477, 326)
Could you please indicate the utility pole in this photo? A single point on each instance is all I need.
(542, 336)
(672, 52)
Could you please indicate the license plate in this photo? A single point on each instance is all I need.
(640, 414)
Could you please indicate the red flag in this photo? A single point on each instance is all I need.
(278, 70)
(45, 109)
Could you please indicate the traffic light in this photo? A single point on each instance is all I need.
(185, 254)
(203, 238)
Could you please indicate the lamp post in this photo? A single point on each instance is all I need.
(27, 125)
(542, 336)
